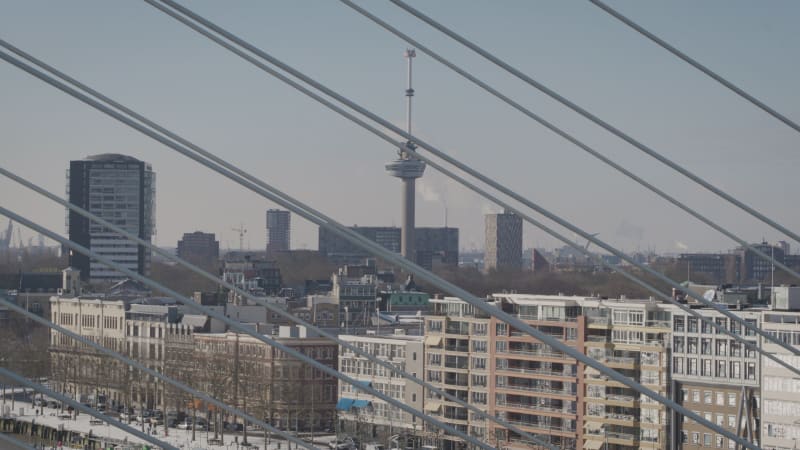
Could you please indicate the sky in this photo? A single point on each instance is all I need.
(146, 60)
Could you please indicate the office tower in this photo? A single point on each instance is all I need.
(199, 247)
(433, 244)
(503, 241)
(121, 190)
(278, 230)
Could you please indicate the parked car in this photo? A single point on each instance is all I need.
(235, 426)
(348, 443)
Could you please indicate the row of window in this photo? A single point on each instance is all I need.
(713, 368)
(708, 440)
(693, 325)
(708, 346)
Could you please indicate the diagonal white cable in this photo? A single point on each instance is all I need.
(136, 364)
(271, 307)
(15, 442)
(430, 148)
(85, 409)
(610, 128)
(696, 64)
(239, 327)
(377, 250)
(383, 24)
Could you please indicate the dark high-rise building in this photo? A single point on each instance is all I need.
(121, 190)
(436, 245)
(278, 230)
(432, 244)
(503, 241)
(199, 247)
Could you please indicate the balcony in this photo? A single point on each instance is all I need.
(553, 373)
(457, 348)
(537, 352)
(541, 389)
(543, 426)
(529, 406)
(461, 363)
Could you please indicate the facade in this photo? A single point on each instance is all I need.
(120, 189)
(503, 242)
(77, 371)
(200, 248)
(357, 298)
(278, 231)
(716, 377)
(718, 267)
(436, 246)
(780, 388)
(543, 391)
(366, 417)
(254, 376)
(433, 245)
(258, 277)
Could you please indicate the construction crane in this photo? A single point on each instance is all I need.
(242, 231)
(5, 240)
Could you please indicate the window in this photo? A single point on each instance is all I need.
(720, 441)
(721, 369)
(722, 347)
(414, 356)
(720, 398)
(678, 344)
(695, 438)
(691, 366)
(720, 420)
(731, 399)
(696, 396)
(692, 325)
(707, 397)
(731, 421)
(501, 329)
(736, 369)
(706, 367)
(692, 345)
(750, 371)
(707, 439)
(721, 322)
(705, 346)
(677, 365)
(705, 327)
(678, 323)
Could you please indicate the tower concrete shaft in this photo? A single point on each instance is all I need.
(408, 169)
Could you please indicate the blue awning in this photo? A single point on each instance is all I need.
(344, 404)
(361, 403)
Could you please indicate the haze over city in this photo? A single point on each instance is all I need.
(138, 56)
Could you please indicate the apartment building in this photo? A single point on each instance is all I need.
(269, 383)
(716, 377)
(365, 416)
(543, 391)
(532, 386)
(632, 337)
(780, 388)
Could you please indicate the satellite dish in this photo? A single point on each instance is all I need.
(710, 295)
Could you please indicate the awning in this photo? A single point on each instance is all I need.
(361, 404)
(432, 406)
(592, 445)
(344, 404)
(433, 341)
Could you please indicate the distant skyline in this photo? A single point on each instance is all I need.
(149, 62)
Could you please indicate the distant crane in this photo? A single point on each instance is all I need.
(242, 231)
(5, 240)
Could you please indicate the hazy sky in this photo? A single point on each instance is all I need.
(146, 60)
